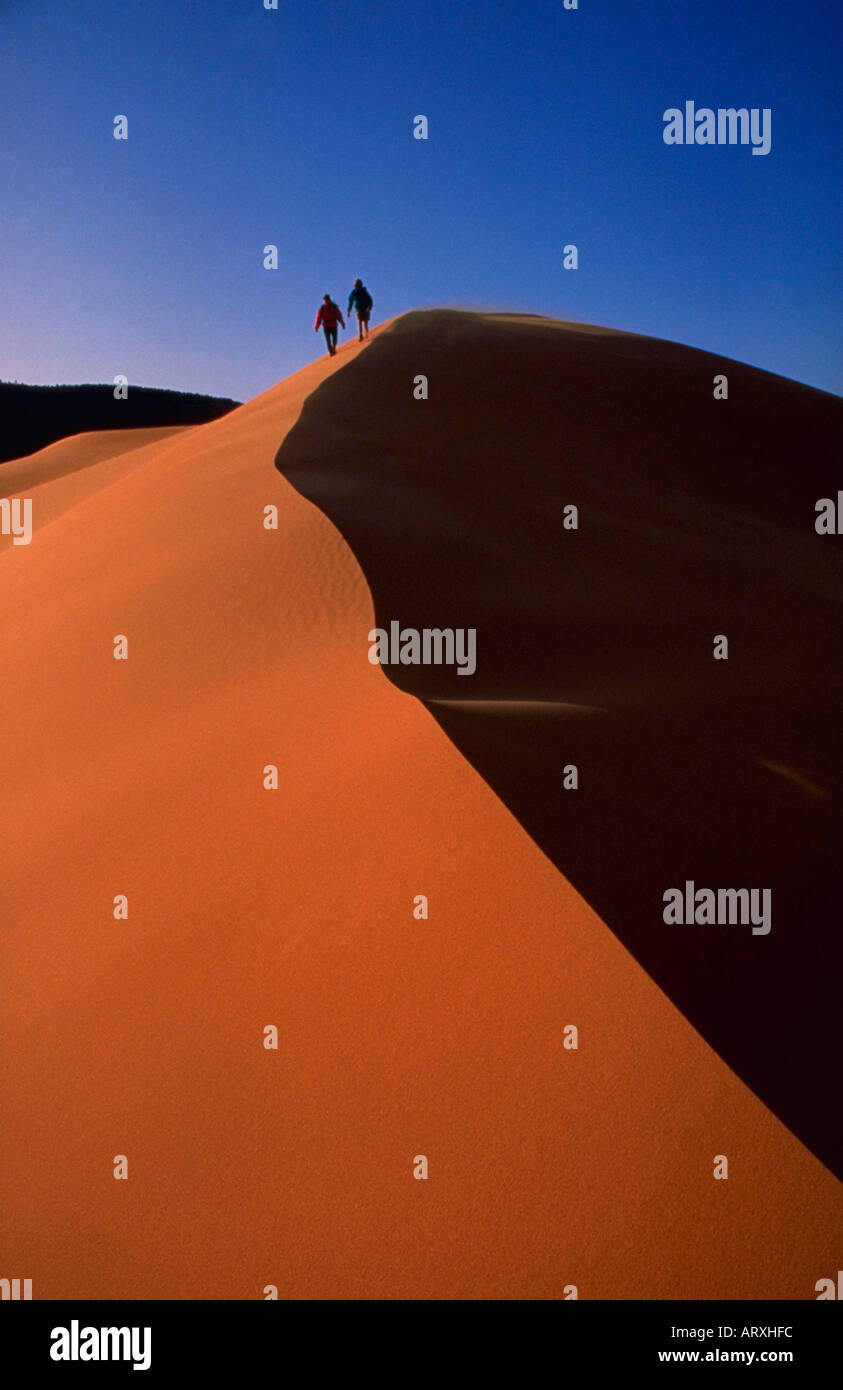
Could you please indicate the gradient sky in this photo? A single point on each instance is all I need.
(294, 127)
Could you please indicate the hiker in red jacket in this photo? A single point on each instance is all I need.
(328, 316)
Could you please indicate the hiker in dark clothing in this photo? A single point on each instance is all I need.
(362, 302)
(329, 315)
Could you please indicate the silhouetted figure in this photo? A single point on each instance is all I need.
(362, 302)
(329, 315)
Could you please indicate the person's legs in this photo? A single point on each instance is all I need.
(366, 323)
(359, 328)
(330, 338)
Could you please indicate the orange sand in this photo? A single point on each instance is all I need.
(248, 907)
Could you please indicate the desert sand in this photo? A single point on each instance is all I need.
(294, 907)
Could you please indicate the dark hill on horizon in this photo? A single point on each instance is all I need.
(31, 417)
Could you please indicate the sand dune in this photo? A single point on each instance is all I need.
(294, 907)
(71, 455)
(696, 518)
(63, 474)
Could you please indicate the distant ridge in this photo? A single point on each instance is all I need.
(33, 416)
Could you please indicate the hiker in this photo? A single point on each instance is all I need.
(328, 316)
(362, 301)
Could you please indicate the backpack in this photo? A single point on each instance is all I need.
(364, 300)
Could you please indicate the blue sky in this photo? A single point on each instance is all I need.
(249, 127)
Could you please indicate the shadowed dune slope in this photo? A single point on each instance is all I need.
(595, 646)
(247, 907)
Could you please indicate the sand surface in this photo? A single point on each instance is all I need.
(294, 907)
